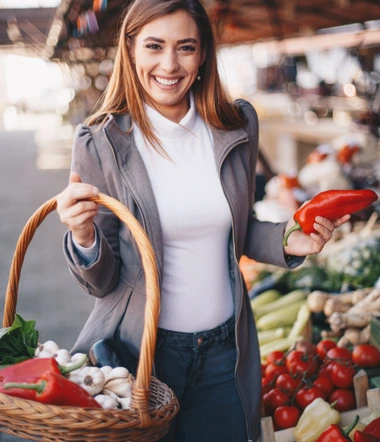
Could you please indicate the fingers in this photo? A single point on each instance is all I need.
(74, 178)
(73, 206)
(342, 220)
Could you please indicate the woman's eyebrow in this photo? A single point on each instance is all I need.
(158, 40)
(187, 40)
(184, 40)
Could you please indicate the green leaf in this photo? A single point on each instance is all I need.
(18, 342)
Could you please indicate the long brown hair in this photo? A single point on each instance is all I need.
(124, 92)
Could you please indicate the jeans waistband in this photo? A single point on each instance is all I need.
(204, 339)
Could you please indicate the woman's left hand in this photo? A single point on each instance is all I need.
(301, 244)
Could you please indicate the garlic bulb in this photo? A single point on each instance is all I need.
(62, 356)
(90, 378)
(46, 350)
(107, 402)
(122, 386)
(125, 403)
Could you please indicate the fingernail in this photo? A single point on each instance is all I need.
(95, 191)
(315, 225)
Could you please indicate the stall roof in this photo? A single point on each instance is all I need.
(235, 21)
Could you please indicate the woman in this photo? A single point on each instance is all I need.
(168, 144)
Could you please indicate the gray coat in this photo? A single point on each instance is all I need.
(108, 158)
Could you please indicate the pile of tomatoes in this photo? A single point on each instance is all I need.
(292, 380)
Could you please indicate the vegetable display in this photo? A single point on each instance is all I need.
(331, 204)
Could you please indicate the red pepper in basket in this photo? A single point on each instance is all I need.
(359, 436)
(331, 204)
(54, 389)
(335, 434)
(373, 428)
(31, 370)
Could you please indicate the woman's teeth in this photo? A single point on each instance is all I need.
(166, 82)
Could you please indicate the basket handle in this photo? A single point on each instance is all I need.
(140, 392)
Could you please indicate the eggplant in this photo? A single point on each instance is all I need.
(104, 352)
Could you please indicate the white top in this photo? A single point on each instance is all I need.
(196, 222)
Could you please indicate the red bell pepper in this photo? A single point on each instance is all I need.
(331, 204)
(31, 370)
(373, 428)
(54, 389)
(359, 436)
(334, 433)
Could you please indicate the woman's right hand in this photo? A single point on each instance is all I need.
(78, 215)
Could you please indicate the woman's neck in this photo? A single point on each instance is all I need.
(173, 113)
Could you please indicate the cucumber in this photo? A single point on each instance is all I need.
(265, 298)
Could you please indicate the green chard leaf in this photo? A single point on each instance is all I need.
(18, 342)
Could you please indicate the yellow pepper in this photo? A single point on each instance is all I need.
(314, 420)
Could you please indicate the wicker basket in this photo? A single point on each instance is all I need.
(153, 404)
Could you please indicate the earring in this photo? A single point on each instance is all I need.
(199, 78)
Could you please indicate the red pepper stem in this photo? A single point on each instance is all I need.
(291, 230)
(348, 430)
(39, 387)
(68, 369)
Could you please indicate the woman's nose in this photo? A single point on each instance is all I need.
(169, 61)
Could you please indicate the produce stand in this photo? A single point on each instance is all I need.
(370, 401)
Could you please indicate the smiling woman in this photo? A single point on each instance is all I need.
(168, 143)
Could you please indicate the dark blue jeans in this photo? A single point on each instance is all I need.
(199, 368)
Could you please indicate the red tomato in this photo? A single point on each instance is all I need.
(275, 356)
(340, 353)
(325, 369)
(306, 396)
(266, 401)
(323, 347)
(342, 376)
(366, 356)
(300, 362)
(345, 399)
(266, 385)
(276, 398)
(325, 384)
(274, 369)
(288, 383)
(286, 416)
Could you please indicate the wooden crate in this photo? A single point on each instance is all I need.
(367, 400)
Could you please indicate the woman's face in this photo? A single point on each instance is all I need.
(167, 54)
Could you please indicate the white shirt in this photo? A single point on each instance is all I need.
(195, 220)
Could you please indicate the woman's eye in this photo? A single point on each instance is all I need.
(187, 48)
(153, 46)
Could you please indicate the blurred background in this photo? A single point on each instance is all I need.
(310, 68)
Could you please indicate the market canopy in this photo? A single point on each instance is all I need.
(94, 23)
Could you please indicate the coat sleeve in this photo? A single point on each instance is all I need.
(101, 276)
(263, 241)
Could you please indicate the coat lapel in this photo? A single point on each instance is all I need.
(136, 178)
